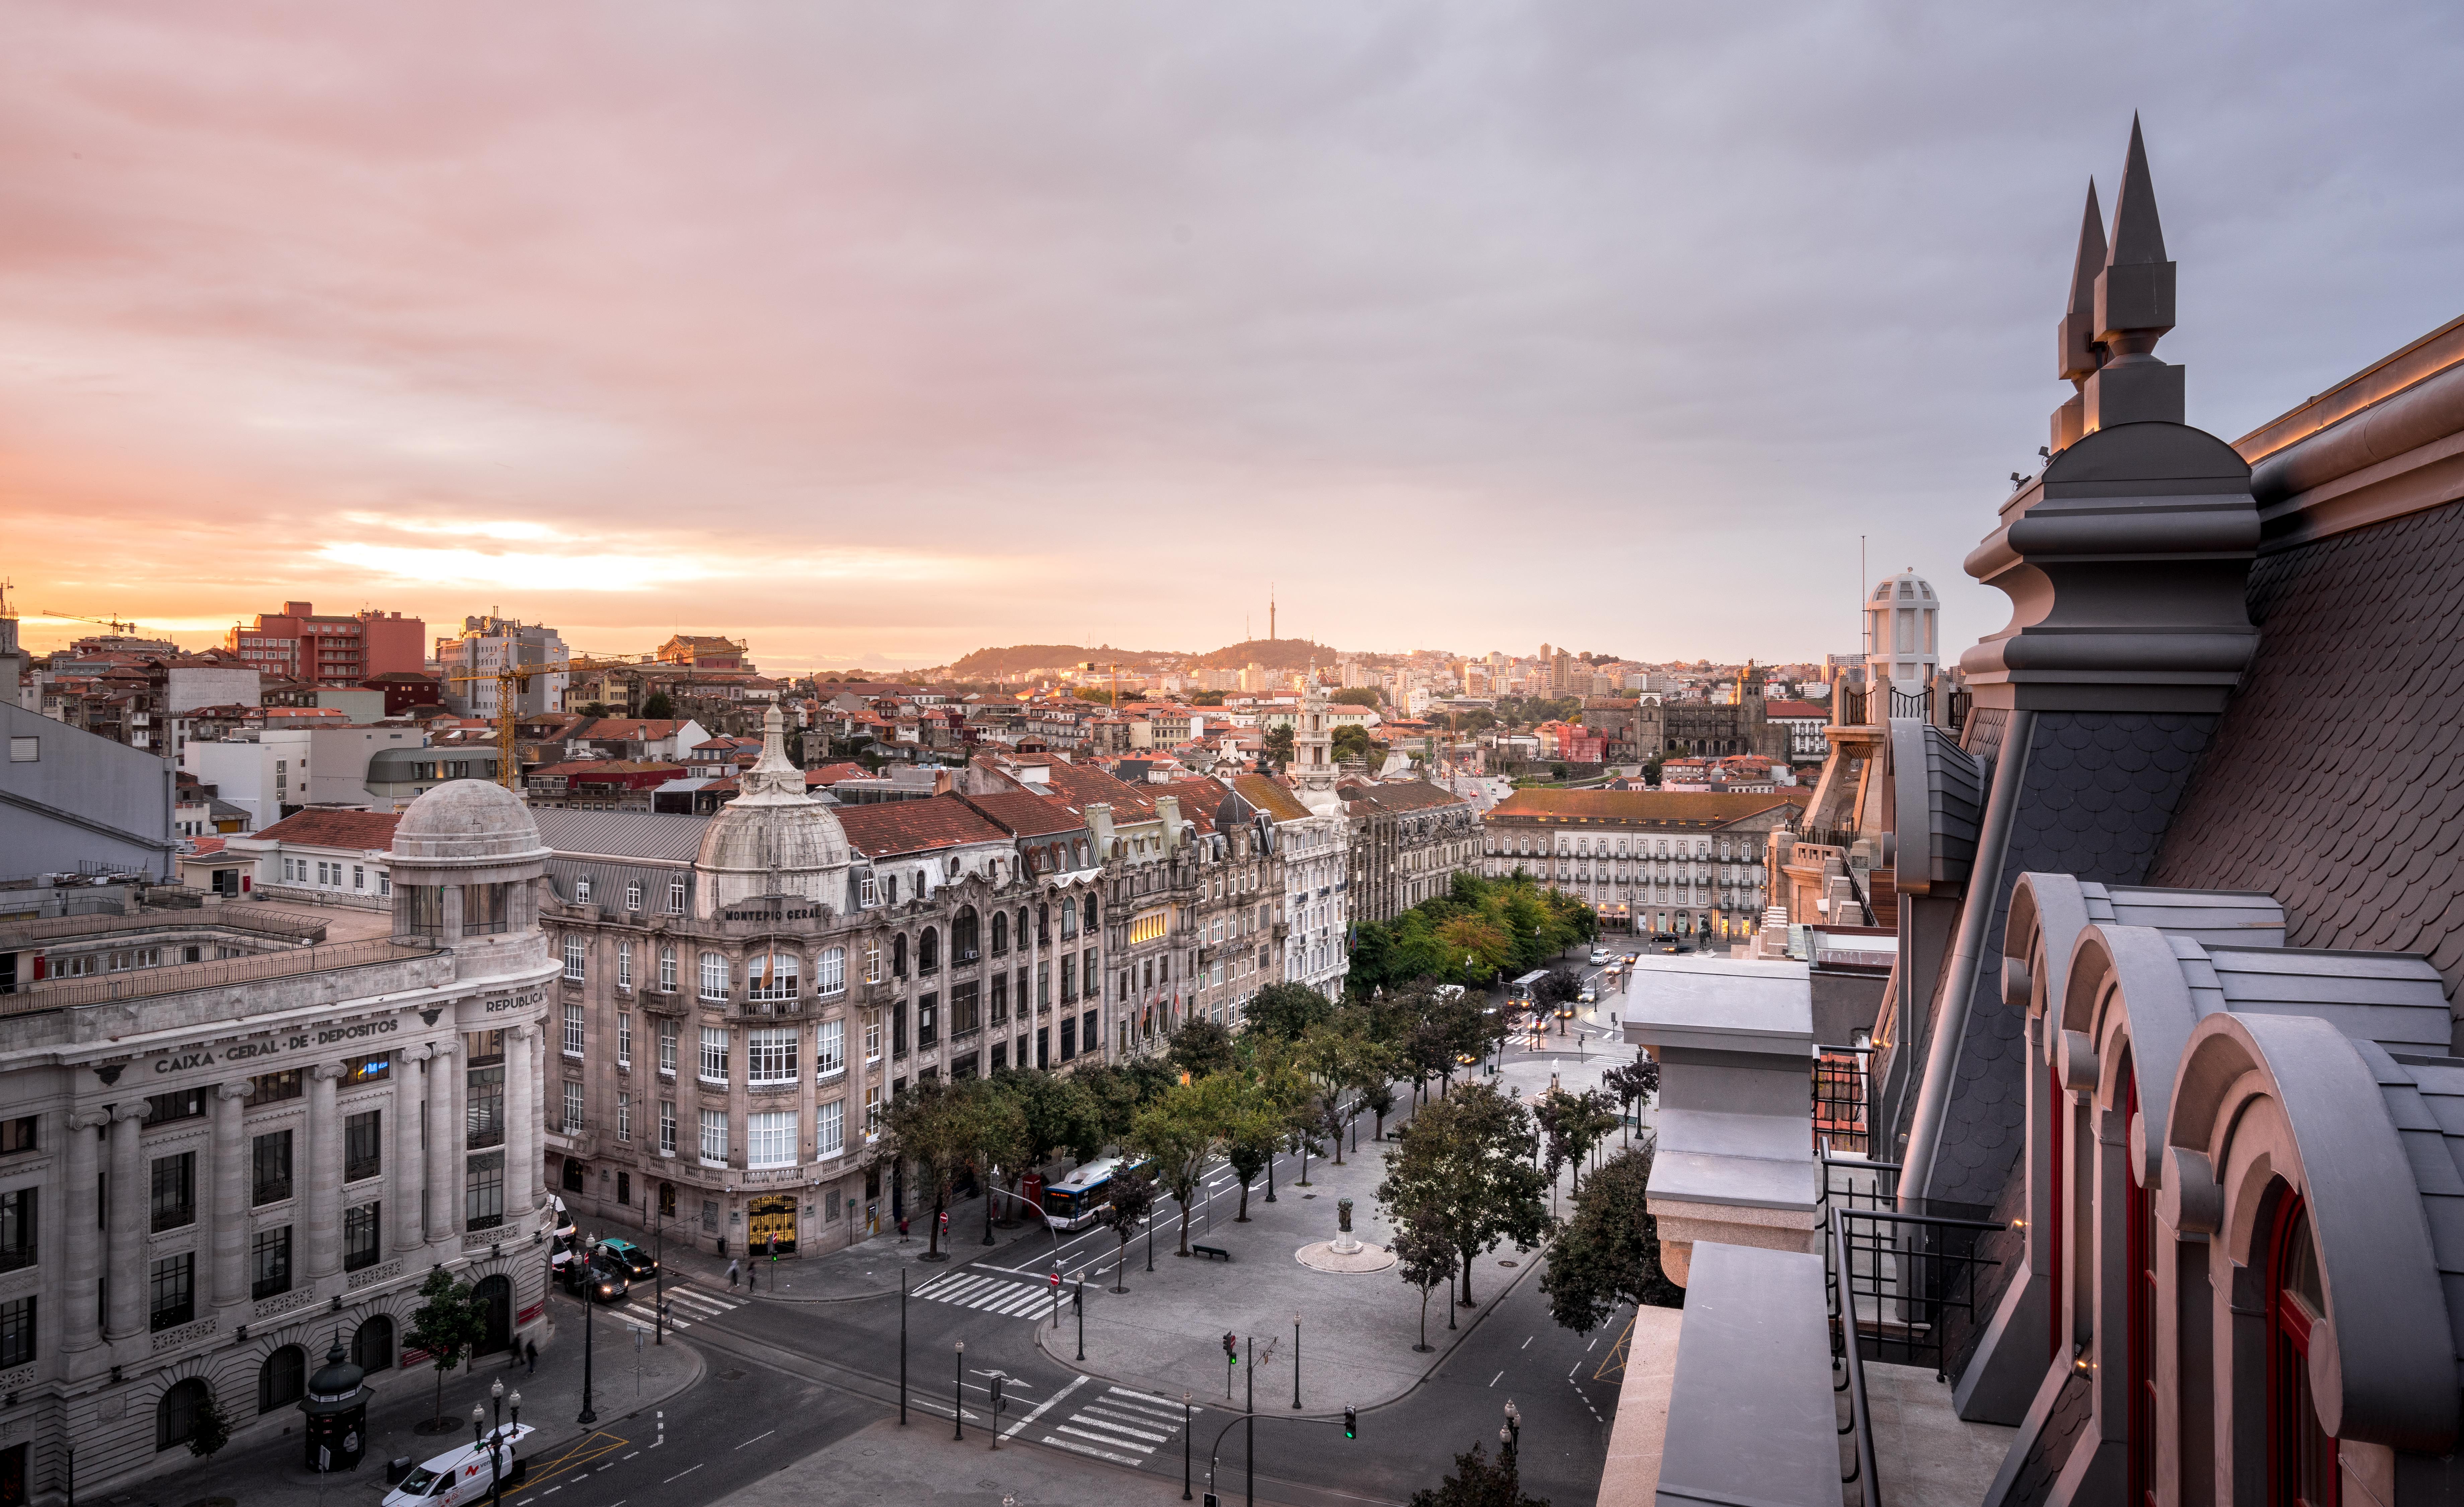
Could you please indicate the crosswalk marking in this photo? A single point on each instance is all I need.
(987, 1294)
(1118, 1425)
(695, 1305)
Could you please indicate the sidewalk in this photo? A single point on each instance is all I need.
(1165, 1336)
(885, 1463)
(268, 1472)
(867, 1269)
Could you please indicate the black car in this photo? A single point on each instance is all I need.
(601, 1279)
(1665, 942)
(634, 1261)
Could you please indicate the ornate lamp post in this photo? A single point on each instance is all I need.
(589, 1311)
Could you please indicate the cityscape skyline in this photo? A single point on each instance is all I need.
(947, 324)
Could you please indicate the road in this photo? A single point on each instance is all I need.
(789, 1378)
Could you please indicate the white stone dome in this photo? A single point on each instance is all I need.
(773, 839)
(466, 819)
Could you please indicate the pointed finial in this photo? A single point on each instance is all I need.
(2138, 236)
(2134, 292)
(2078, 353)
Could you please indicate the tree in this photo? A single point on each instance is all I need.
(1476, 1483)
(1558, 986)
(1379, 1098)
(1134, 1194)
(1338, 1057)
(1608, 1252)
(1202, 1048)
(1424, 1258)
(1573, 1123)
(932, 1125)
(447, 1324)
(1352, 744)
(1249, 1142)
(1060, 1114)
(996, 1134)
(1635, 1081)
(1358, 696)
(1467, 1164)
(210, 1428)
(1181, 1131)
(1279, 744)
(657, 706)
(1285, 1011)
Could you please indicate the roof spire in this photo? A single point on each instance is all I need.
(2078, 358)
(2134, 308)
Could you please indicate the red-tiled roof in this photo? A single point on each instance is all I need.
(1024, 814)
(335, 830)
(1271, 796)
(1797, 709)
(833, 773)
(898, 827)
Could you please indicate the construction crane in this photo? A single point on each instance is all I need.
(510, 680)
(115, 624)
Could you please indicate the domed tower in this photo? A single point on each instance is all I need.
(466, 856)
(1903, 636)
(773, 839)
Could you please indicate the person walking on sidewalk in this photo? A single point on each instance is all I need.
(530, 1355)
(731, 1273)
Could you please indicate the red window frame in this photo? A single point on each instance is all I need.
(2141, 1244)
(2301, 1455)
(2057, 1143)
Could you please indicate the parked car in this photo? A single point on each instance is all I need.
(634, 1261)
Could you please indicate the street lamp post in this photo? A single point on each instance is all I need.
(1296, 1360)
(958, 1393)
(659, 1278)
(1185, 1447)
(902, 1347)
(589, 1312)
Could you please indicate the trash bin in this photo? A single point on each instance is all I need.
(396, 1468)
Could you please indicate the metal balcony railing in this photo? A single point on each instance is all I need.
(1843, 1099)
(1913, 1280)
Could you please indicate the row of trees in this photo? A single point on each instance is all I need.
(1478, 932)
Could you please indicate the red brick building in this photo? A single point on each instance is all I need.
(342, 649)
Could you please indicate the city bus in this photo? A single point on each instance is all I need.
(1076, 1201)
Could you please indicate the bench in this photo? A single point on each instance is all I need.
(1217, 1252)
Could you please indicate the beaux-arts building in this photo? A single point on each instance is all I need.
(219, 1148)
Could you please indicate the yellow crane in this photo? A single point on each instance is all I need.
(118, 625)
(510, 680)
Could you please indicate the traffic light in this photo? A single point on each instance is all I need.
(1231, 1350)
(1351, 1422)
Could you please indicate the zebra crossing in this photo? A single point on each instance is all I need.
(686, 1307)
(991, 1295)
(1117, 1425)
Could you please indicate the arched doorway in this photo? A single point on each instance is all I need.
(372, 1346)
(175, 1416)
(282, 1380)
(496, 1293)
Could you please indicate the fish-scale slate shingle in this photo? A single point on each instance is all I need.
(2336, 781)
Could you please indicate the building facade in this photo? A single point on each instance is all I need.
(338, 648)
(290, 1139)
(1407, 840)
(1688, 865)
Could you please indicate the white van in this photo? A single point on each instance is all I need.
(463, 1475)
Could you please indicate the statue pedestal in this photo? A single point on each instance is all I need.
(1346, 1244)
(1323, 1257)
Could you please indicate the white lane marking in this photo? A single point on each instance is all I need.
(1088, 1417)
(758, 1437)
(1075, 1382)
(1527, 1344)
(1133, 1409)
(1587, 1349)
(1492, 1381)
(681, 1474)
(630, 1456)
(1101, 1455)
(1070, 1428)
(1144, 1397)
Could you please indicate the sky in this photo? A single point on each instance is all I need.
(873, 334)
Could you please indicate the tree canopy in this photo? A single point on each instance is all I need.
(1481, 930)
(1608, 1252)
(1466, 1169)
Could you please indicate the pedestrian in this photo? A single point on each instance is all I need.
(530, 1354)
(730, 1272)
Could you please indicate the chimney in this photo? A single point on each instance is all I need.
(1168, 806)
(1099, 823)
(940, 782)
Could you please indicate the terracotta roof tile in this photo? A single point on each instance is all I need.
(1648, 806)
(335, 828)
(898, 827)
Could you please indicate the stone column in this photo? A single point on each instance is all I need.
(442, 1217)
(127, 1234)
(406, 1168)
(521, 1120)
(537, 1187)
(324, 1199)
(82, 1322)
(231, 1174)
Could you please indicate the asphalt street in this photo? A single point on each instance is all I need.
(786, 1379)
